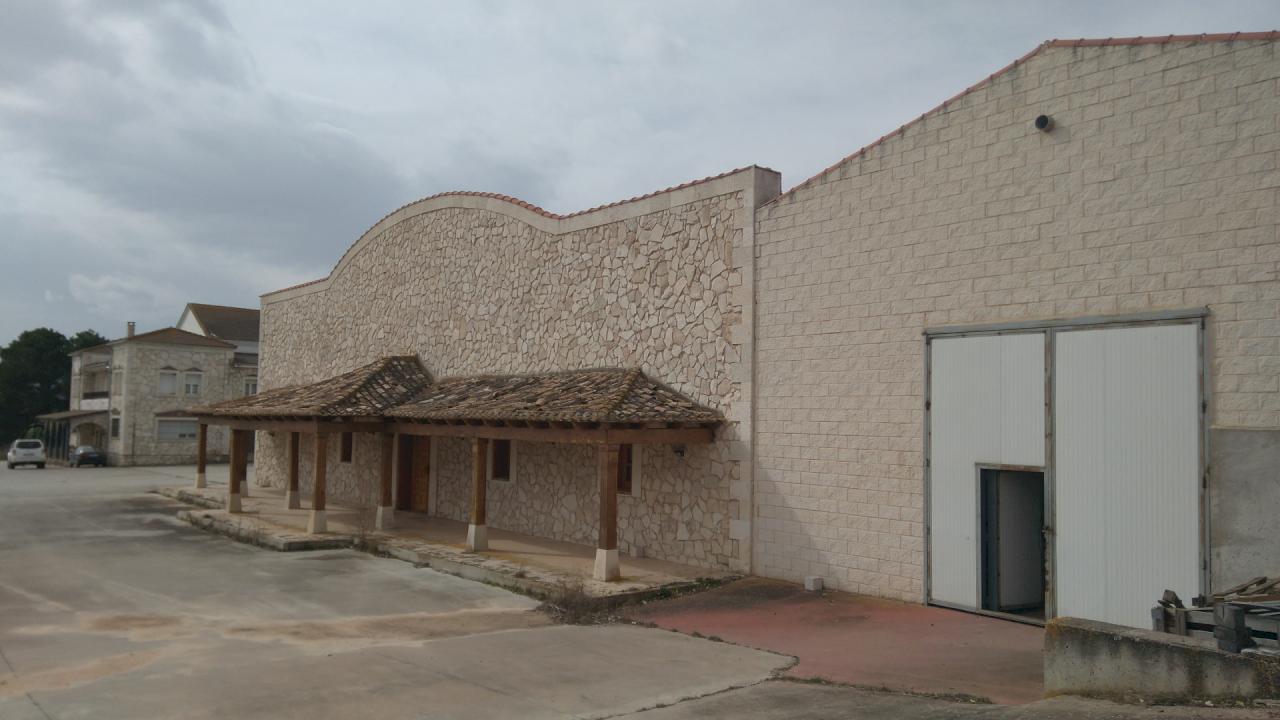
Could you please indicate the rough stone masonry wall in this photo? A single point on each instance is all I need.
(483, 289)
(1156, 189)
(138, 443)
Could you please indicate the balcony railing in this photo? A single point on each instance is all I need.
(95, 395)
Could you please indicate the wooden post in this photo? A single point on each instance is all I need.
(235, 480)
(317, 522)
(477, 531)
(607, 546)
(291, 499)
(386, 513)
(202, 450)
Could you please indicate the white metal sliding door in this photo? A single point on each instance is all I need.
(986, 407)
(1127, 466)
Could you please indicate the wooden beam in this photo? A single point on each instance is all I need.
(404, 471)
(607, 565)
(478, 531)
(607, 476)
(317, 523)
(290, 424)
(385, 513)
(235, 481)
(202, 451)
(292, 500)
(385, 469)
(593, 436)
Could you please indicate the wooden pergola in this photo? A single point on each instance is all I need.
(607, 408)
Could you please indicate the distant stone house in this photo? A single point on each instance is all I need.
(1019, 356)
(130, 396)
(238, 326)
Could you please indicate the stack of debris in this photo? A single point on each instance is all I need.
(1240, 618)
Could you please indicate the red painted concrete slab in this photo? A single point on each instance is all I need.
(866, 641)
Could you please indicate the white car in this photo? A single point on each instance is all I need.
(26, 452)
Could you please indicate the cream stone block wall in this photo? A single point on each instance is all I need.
(477, 284)
(1157, 189)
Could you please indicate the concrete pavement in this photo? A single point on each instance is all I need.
(110, 608)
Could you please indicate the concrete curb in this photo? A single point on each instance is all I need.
(533, 582)
(191, 498)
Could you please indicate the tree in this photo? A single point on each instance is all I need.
(34, 375)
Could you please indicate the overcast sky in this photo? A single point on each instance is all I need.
(155, 153)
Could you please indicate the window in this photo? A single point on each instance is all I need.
(117, 378)
(346, 447)
(168, 382)
(629, 470)
(500, 461)
(115, 427)
(191, 382)
(251, 386)
(175, 429)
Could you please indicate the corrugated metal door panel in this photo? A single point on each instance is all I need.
(1127, 467)
(987, 406)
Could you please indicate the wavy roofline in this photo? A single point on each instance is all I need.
(536, 211)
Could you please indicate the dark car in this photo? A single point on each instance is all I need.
(87, 455)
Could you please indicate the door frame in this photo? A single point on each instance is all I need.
(1050, 328)
(978, 538)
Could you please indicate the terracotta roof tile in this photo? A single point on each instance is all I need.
(605, 395)
(174, 336)
(228, 323)
(364, 392)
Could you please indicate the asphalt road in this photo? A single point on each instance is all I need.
(111, 608)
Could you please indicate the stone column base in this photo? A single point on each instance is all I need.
(607, 566)
(316, 524)
(386, 518)
(200, 482)
(291, 500)
(477, 538)
(233, 502)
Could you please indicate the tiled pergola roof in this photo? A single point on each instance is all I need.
(367, 391)
(610, 396)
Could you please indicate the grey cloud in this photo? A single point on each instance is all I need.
(156, 151)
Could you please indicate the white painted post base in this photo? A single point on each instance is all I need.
(291, 500)
(233, 502)
(316, 524)
(477, 538)
(386, 518)
(200, 483)
(607, 566)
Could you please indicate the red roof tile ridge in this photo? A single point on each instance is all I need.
(1163, 39)
(1082, 42)
(203, 339)
(222, 307)
(527, 206)
(623, 391)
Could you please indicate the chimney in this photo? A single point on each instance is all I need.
(132, 325)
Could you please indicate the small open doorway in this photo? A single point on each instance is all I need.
(1013, 544)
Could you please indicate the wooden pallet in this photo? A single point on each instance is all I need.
(1246, 615)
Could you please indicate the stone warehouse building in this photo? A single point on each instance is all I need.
(1020, 356)
(652, 296)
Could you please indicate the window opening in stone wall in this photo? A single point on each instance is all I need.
(500, 463)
